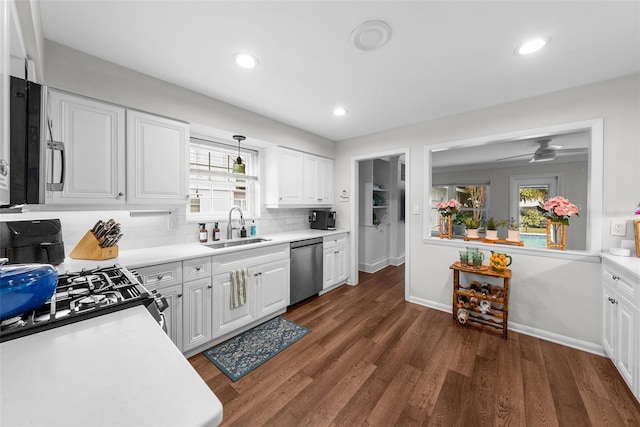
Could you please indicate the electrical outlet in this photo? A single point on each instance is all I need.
(618, 228)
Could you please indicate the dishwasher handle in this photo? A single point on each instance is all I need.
(307, 242)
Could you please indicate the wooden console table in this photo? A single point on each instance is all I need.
(496, 316)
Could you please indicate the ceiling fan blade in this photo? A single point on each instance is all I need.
(514, 157)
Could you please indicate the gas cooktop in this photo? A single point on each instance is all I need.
(80, 296)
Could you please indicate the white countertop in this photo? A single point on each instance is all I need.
(119, 369)
(163, 254)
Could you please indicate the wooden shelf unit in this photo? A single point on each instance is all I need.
(495, 318)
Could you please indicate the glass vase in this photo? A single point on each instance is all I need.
(446, 227)
(556, 238)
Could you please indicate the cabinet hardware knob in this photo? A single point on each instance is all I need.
(615, 277)
(120, 194)
(160, 276)
(179, 295)
(209, 286)
(336, 252)
(198, 268)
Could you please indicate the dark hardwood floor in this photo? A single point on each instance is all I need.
(374, 359)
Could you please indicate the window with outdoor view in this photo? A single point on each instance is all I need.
(215, 185)
(473, 199)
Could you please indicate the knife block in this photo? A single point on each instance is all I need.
(89, 248)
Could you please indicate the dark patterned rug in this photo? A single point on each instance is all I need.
(245, 352)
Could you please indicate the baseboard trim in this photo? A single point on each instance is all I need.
(527, 330)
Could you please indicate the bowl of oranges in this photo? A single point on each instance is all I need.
(499, 261)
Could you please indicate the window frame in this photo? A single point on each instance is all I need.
(252, 177)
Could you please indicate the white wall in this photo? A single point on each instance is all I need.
(77, 72)
(554, 296)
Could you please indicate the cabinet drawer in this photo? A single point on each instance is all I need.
(161, 275)
(248, 258)
(333, 241)
(195, 268)
(623, 283)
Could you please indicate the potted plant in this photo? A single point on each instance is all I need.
(458, 219)
(472, 225)
(492, 229)
(513, 232)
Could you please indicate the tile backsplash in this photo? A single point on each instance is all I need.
(152, 229)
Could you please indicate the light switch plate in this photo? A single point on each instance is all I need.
(618, 228)
(416, 210)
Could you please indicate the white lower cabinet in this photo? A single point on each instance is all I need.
(267, 287)
(336, 260)
(173, 313)
(167, 280)
(272, 287)
(225, 318)
(373, 247)
(197, 311)
(621, 325)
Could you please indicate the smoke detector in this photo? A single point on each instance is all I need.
(371, 35)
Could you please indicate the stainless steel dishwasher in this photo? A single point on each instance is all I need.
(306, 269)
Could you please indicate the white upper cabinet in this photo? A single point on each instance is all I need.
(156, 159)
(85, 161)
(298, 179)
(95, 157)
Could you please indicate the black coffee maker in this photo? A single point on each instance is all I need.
(323, 220)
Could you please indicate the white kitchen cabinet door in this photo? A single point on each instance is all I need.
(341, 264)
(272, 287)
(290, 169)
(325, 181)
(90, 166)
(311, 179)
(626, 341)
(328, 275)
(335, 260)
(173, 313)
(227, 319)
(157, 171)
(609, 323)
(197, 309)
(318, 180)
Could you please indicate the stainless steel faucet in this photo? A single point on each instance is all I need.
(229, 226)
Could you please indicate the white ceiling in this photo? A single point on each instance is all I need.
(443, 57)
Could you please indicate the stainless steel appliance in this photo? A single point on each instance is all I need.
(323, 220)
(306, 269)
(26, 154)
(34, 241)
(83, 295)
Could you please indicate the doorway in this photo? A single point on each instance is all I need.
(379, 185)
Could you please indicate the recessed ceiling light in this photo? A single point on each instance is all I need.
(339, 111)
(371, 35)
(246, 60)
(531, 46)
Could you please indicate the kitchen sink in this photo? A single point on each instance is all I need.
(239, 242)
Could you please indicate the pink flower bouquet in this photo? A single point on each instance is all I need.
(448, 207)
(558, 209)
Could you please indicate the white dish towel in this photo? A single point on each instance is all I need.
(239, 287)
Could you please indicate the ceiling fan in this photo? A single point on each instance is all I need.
(545, 152)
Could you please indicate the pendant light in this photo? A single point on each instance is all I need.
(238, 166)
